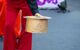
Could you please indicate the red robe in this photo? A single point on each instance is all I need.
(2, 16)
(2, 19)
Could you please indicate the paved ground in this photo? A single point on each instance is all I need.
(64, 30)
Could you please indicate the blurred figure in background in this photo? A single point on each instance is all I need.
(63, 6)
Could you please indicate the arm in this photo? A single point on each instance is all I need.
(33, 6)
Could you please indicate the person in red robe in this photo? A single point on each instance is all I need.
(12, 8)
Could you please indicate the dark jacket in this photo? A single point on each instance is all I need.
(33, 6)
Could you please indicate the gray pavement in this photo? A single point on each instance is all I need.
(63, 32)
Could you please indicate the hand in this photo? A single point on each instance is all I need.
(38, 15)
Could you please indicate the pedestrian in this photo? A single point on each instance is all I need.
(12, 9)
